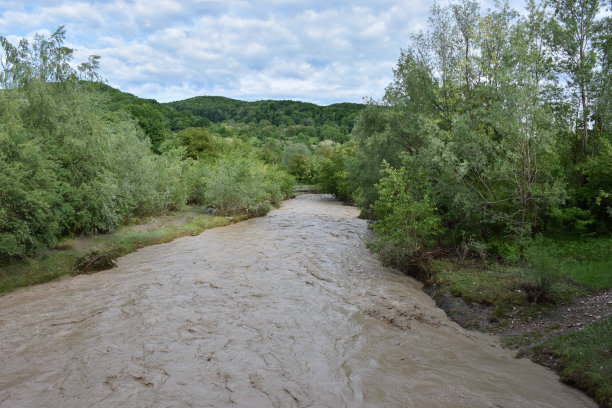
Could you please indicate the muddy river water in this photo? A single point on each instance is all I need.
(288, 310)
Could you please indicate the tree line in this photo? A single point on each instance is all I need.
(496, 128)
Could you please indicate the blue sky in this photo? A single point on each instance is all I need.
(315, 51)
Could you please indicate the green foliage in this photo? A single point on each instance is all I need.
(68, 164)
(476, 104)
(238, 184)
(151, 122)
(571, 31)
(198, 143)
(296, 159)
(298, 165)
(330, 169)
(277, 113)
(406, 214)
(29, 195)
(596, 191)
(333, 133)
(45, 59)
(117, 100)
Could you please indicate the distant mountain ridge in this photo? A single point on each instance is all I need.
(201, 110)
(277, 112)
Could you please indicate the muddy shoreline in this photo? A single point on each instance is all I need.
(530, 332)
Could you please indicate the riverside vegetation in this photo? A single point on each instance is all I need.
(485, 168)
(73, 162)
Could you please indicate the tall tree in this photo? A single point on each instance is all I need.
(573, 27)
(603, 82)
(467, 14)
(444, 43)
(494, 38)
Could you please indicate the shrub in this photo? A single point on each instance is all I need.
(245, 185)
(406, 213)
(544, 274)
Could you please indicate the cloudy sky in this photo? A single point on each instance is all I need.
(320, 51)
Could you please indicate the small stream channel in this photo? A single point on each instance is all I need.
(287, 310)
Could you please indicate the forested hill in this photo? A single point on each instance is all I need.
(278, 113)
(202, 110)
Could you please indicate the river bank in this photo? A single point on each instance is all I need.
(91, 253)
(572, 334)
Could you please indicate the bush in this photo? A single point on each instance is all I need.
(245, 185)
(68, 166)
(544, 274)
(331, 174)
(407, 216)
(29, 196)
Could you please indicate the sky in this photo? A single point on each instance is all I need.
(320, 51)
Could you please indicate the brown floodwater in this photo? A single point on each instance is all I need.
(287, 310)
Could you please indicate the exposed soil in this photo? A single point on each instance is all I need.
(522, 334)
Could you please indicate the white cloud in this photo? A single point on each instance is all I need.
(319, 51)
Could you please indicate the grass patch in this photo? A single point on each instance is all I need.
(587, 261)
(480, 282)
(506, 287)
(102, 252)
(132, 240)
(584, 359)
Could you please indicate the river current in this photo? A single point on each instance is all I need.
(287, 310)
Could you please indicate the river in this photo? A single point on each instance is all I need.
(287, 310)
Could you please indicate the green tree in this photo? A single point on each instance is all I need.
(466, 14)
(386, 129)
(405, 210)
(151, 122)
(573, 27)
(603, 78)
(198, 142)
(69, 165)
(296, 158)
(331, 169)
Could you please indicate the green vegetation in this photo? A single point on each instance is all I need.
(587, 262)
(484, 133)
(77, 157)
(553, 272)
(584, 359)
(518, 291)
(333, 122)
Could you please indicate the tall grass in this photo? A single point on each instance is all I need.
(586, 261)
